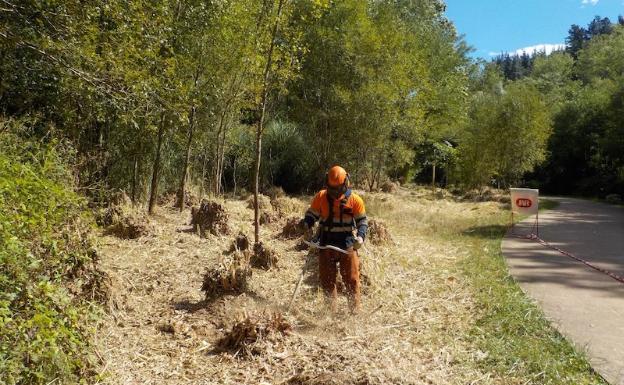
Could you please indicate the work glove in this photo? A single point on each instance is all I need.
(358, 242)
(307, 231)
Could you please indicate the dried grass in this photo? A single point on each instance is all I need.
(124, 221)
(240, 243)
(487, 195)
(119, 198)
(389, 187)
(286, 206)
(264, 202)
(416, 308)
(275, 192)
(268, 217)
(229, 277)
(190, 199)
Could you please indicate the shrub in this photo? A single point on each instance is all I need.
(48, 265)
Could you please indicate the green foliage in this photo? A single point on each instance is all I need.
(377, 78)
(47, 262)
(505, 137)
(289, 159)
(362, 82)
(586, 145)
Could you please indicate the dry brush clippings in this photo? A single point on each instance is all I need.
(389, 187)
(292, 229)
(263, 257)
(240, 243)
(247, 336)
(264, 202)
(124, 222)
(287, 206)
(268, 217)
(378, 232)
(210, 217)
(274, 192)
(231, 276)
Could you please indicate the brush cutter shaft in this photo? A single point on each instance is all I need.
(303, 271)
(317, 246)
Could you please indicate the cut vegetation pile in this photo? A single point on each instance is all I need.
(389, 187)
(291, 229)
(253, 333)
(229, 277)
(240, 243)
(378, 233)
(121, 219)
(268, 217)
(126, 222)
(210, 217)
(264, 202)
(288, 206)
(263, 257)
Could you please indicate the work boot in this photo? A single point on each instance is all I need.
(355, 305)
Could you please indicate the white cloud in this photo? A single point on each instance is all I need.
(548, 48)
(592, 2)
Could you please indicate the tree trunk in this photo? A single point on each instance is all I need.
(204, 167)
(181, 195)
(220, 160)
(216, 182)
(234, 175)
(156, 169)
(257, 181)
(135, 178)
(260, 129)
(222, 156)
(433, 176)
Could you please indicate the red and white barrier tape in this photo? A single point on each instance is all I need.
(570, 255)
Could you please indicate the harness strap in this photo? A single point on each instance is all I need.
(338, 229)
(329, 221)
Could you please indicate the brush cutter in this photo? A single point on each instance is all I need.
(315, 243)
(303, 271)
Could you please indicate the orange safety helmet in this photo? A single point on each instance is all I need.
(337, 177)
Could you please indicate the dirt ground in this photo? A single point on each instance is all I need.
(160, 329)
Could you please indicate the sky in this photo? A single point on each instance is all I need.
(495, 26)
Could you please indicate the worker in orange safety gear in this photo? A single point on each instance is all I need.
(343, 224)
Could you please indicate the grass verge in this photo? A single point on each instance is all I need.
(516, 340)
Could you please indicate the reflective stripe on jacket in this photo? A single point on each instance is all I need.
(353, 213)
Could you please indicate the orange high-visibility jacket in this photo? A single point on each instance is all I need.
(348, 214)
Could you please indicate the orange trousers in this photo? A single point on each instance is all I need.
(350, 272)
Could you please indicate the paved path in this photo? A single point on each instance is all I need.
(585, 305)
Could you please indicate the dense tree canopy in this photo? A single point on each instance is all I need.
(157, 95)
(160, 96)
